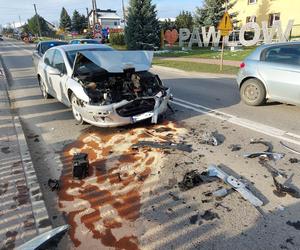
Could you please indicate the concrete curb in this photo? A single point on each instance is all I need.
(40, 213)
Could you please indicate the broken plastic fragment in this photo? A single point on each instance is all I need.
(41, 241)
(236, 184)
(164, 145)
(220, 193)
(209, 139)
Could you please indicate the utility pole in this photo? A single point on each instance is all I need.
(38, 20)
(124, 14)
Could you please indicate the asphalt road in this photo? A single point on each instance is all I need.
(49, 127)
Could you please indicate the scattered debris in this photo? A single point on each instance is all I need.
(235, 147)
(267, 153)
(271, 169)
(190, 180)
(236, 184)
(174, 197)
(53, 184)
(80, 166)
(294, 160)
(194, 219)
(208, 215)
(5, 150)
(45, 240)
(289, 148)
(296, 224)
(290, 240)
(209, 139)
(217, 204)
(282, 190)
(220, 193)
(164, 145)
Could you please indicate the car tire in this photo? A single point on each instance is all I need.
(77, 116)
(43, 89)
(253, 92)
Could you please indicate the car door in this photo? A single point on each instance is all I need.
(59, 80)
(43, 70)
(280, 69)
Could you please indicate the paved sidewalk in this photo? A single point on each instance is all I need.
(201, 60)
(23, 214)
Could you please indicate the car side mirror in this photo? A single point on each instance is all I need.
(54, 72)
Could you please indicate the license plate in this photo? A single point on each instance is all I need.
(142, 117)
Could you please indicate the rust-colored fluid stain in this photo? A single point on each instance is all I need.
(102, 209)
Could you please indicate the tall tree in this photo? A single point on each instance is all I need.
(33, 26)
(143, 29)
(184, 20)
(212, 11)
(65, 20)
(76, 21)
(167, 24)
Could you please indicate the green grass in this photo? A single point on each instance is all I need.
(209, 54)
(196, 67)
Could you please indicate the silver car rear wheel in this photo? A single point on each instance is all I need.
(76, 114)
(253, 92)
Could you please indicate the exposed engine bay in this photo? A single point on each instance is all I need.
(105, 88)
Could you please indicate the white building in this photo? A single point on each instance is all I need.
(106, 18)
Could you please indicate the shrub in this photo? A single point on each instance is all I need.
(117, 39)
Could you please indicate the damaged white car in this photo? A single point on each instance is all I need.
(104, 87)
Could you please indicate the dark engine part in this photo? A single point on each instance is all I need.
(80, 166)
(136, 107)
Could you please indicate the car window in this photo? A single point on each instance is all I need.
(49, 57)
(58, 62)
(288, 54)
(47, 45)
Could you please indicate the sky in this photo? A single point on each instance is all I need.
(14, 10)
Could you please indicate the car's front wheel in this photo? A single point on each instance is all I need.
(253, 92)
(76, 114)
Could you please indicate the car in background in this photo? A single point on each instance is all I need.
(104, 87)
(271, 72)
(42, 47)
(85, 41)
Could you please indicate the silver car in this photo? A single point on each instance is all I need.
(271, 72)
(103, 87)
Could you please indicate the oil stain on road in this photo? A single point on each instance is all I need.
(103, 209)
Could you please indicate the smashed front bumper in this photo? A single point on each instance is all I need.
(126, 112)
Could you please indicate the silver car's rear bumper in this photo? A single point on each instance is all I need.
(108, 116)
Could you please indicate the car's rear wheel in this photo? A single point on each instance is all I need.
(76, 114)
(43, 89)
(253, 92)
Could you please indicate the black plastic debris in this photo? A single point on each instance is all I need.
(272, 170)
(294, 160)
(282, 190)
(296, 224)
(194, 219)
(209, 215)
(190, 180)
(80, 166)
(53, 184)
(164, 145)
(235, 147)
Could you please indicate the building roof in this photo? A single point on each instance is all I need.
(106, 14)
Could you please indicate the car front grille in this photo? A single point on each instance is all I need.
(136, 107)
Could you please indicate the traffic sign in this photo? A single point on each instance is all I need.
(225, 26)
(97, 27)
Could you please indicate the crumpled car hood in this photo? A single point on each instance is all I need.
(116, 61)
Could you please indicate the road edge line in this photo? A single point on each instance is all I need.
(40, 213)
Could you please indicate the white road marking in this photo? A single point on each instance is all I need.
(255, 126)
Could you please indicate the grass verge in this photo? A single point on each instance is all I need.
(238, 55)
(197, 67)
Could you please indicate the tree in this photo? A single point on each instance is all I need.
(167, 24)
(143, 29)
(33, 26)
(212, 11)
(65, 20)
(184, 20)
(76, 21)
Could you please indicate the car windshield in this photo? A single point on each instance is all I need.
(72, 54)
(46, 46)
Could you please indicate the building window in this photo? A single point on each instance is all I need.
(273, 17)
(250, 19)
(252, 1)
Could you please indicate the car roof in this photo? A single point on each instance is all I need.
(53, 41)
(70, 47)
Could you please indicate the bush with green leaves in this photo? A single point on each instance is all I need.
(117, 38)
